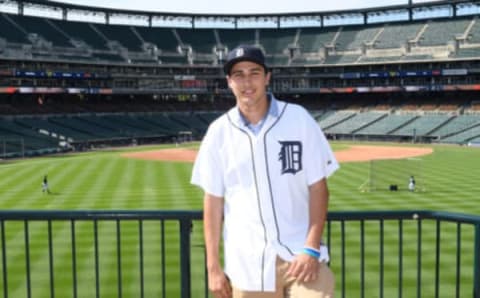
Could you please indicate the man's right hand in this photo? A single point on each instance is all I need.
(219, 284)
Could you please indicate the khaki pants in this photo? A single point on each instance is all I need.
(287, 287)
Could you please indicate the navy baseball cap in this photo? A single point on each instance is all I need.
(244, 53)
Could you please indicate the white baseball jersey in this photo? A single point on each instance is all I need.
(264, 180)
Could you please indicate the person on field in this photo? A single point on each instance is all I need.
(411, 183)
(45, 188)
(263, 167)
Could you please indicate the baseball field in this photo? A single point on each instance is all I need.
(110, 180)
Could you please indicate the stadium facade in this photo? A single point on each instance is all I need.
(82, 75)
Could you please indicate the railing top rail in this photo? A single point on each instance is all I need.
(197, 215)
(99, 214)
(403, 214)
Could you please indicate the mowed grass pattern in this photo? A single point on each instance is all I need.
(105, 180)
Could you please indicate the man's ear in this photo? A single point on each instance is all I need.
(228, 81)
(269, 76)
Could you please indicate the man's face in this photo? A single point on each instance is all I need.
(248, 82)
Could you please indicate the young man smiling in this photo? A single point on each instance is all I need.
(263, 167)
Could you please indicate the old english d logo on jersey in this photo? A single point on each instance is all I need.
(291, 156)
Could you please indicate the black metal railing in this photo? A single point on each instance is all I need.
(160, 253)
(428, 231)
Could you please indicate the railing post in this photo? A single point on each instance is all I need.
(185, 229)
(476, 263)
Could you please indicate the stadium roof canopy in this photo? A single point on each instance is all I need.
(405, 12)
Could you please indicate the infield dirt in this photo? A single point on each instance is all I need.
(354, 153)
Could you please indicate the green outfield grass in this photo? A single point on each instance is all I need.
(105, 180)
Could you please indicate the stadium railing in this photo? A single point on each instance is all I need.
(373, 253)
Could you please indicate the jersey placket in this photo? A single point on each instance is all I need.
(264, 201)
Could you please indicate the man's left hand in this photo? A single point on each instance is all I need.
(304, 268)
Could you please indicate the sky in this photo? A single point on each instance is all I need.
(238, 6)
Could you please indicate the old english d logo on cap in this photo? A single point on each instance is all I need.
(244, 53)
(240, 52)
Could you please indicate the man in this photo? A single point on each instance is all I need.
(45, 188)
(263, 167)
(411, 183)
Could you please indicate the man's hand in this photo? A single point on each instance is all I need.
(304, 268)
(219, 285)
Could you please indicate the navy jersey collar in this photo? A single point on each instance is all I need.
(241, 121)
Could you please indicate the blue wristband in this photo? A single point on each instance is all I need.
(311, 252)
